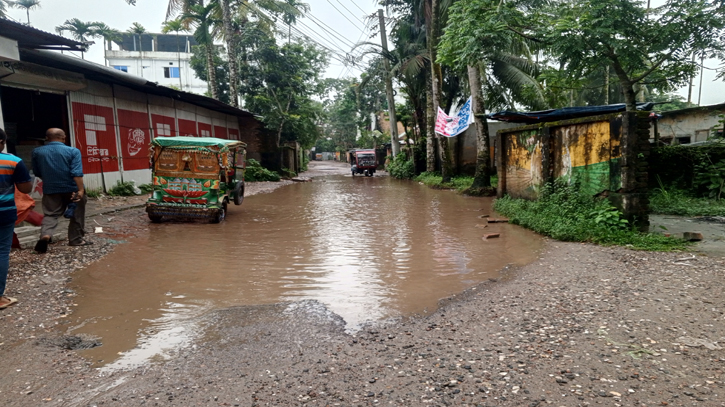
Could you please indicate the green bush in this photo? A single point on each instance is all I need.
(127, 188)
(287, 173)
(256, 173)
(401, 167)
(710, 176)
(564, 213)
(93, 193)
(146, 188)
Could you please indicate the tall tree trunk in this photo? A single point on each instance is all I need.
(211, 70)
(430, 156)
(482, 179)
(630, 97)
(436, 79)
(231, 52)
(430, 113)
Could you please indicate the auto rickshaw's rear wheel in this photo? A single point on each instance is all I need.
(221, 214)
(239, 193)
(155, 218)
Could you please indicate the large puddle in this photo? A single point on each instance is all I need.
(367, 248)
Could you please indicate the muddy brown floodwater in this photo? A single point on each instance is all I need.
(369, 249)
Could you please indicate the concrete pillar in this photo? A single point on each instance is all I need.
(500, 164)
(632, 199)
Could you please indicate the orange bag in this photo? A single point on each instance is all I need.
(25, 205)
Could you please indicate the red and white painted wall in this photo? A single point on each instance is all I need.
(113, 125)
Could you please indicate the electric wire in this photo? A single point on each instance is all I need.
(351, 13)
(343, 41)
(320, 24)
(336, 51)
(339, 54)
(341, 13)
(281, 27)
(359, 8)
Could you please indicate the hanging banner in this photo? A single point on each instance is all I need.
(451, 126)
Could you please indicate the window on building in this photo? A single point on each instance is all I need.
(171, 72)
(123, 68)
(684, 140)
(163, 129)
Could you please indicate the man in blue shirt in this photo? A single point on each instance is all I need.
(60, 168)
(13, 173)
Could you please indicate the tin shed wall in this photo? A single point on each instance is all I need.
(94, 134)
(134, 129)
(233, 127)
(162, 116)
(203, 122)
(186, 119)
(114, 125)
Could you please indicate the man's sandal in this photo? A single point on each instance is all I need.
(10, 301)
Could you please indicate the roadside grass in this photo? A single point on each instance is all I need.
(563, 213)
(435, 180)
(672, 201)
(93, 193)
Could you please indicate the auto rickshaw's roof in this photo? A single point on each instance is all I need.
(185, 141)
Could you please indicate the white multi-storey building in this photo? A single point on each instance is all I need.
(161, 58)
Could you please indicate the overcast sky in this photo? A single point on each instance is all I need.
(337, 24)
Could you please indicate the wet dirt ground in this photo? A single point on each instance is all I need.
(712, 229)
(580, 325)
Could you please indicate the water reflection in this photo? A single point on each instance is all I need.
(368, 248)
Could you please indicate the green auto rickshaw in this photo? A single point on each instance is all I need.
(195, 177)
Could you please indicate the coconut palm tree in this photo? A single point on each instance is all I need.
(79, 30)
(27, 5)
(223, 13)
(202, 18)
(108, 35)
(138, 29)
(175, 26)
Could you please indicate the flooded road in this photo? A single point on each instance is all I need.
(369, 249)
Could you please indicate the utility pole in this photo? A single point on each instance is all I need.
(702, 70)
(689, 88)
(389, 88)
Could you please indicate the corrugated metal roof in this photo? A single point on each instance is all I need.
(29, 37)
(106, 74)
(565, 113)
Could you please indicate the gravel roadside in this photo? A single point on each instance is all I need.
(583, 325)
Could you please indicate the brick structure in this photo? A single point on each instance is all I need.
(606, 155)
